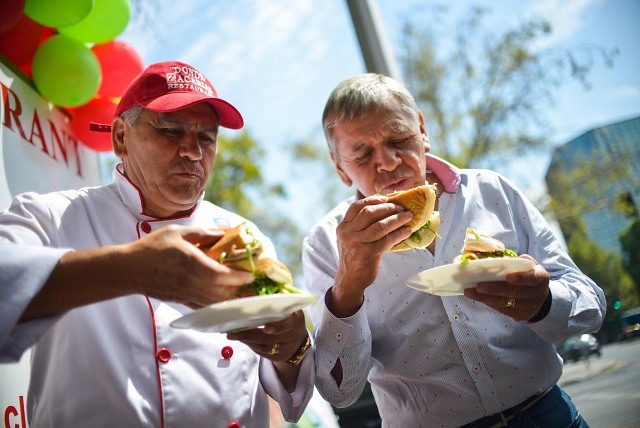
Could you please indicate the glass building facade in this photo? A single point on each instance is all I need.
(619, 143)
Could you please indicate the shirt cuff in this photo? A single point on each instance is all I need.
(292, 404)
(23, 272)
(555, 322)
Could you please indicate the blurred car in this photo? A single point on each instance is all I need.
(578, 347)
(630, 324)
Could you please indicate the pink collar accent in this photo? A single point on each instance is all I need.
(448, 174)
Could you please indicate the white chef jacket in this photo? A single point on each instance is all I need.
(118, 362)
(445, 361)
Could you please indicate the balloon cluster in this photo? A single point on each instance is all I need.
(67, 47)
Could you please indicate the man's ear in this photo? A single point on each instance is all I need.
(117, 137)
(343, 175)
(425, 133)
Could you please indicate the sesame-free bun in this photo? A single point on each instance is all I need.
(419, 200)
(240, 249)
(476, 241)
(234, 245)
(425, 222)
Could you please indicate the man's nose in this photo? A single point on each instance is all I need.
(190, 147)
(387, 160)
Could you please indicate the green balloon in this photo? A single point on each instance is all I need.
(57, 13)
(107, 19)
(66, 72)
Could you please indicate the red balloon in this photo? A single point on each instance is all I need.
(26, 67)
(10, 11)
(98, 110)
(120, 64)
(21, 41)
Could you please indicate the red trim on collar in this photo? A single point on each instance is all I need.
(118, 169)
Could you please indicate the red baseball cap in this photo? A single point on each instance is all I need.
(174, 85)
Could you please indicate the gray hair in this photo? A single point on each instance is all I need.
(355, 95)
(131, 115)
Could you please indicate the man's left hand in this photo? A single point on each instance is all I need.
(276, 341)
(520, 297)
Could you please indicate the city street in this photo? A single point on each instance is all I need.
(606, 389)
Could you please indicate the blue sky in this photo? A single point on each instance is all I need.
(277, 61)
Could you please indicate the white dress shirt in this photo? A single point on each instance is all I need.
(446, 361)
(118, 362)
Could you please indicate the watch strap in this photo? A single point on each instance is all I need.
(300, 353)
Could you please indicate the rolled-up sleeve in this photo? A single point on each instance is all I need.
(292, 404)
(578, 305)
(23, 272)
(347, 340)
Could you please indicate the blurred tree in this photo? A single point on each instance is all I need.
(630, 243)
(484, 95)
(605, 268)
(586, 184)
(580, 190)
(593, 182)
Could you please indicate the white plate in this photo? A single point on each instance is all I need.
(243, 313)
(452, 279)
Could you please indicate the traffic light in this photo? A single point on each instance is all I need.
(617, 304)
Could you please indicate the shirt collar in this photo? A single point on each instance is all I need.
(448, 174)
(132, 197)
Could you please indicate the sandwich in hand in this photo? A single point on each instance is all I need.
(480, 246)
(240, 249)
(425, 222)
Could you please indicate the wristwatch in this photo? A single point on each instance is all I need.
(300, 353)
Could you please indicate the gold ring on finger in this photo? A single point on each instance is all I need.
(511, 303)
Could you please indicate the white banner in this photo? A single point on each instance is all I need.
(38, 152)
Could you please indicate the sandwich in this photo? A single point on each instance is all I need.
(425, 222)
(480, 246)
(240, 249)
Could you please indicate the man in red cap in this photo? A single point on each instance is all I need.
(95, 277)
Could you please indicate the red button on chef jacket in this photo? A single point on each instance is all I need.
(163, 355)
(227, 352)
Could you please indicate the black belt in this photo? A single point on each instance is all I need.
(501, 419)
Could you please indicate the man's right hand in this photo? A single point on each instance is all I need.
(370, 227)
(165, 264)
(169, 266)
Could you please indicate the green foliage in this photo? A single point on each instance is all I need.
(587, 184)
(630, 242)
(605, 268)
(237, 174)
(489, 93)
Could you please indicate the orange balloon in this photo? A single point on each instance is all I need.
(98, 110)
(120, 64)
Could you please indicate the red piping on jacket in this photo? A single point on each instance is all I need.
(155, 347)
(155, 353)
